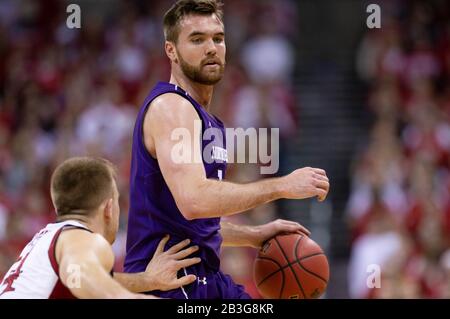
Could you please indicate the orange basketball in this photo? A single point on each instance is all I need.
(291, 267)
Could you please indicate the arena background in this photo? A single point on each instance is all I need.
(372, 107)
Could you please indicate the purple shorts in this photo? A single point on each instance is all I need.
(208, 286)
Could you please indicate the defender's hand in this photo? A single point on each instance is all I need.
(164, 266)
(305, 183)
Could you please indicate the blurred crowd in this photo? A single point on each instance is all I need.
(72, 92)
(399, 207)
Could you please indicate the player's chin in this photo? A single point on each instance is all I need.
(213, 74)
(211, 79)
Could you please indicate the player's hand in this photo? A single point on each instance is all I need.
(264, 232)
(163, 268)
(305, 183)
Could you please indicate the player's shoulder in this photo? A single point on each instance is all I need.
(78, 237)
(170, 107)
(169, 98)
(76, 245)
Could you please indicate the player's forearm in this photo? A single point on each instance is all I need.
(138, 282)
(97, 284)
(218, 198)
(238, 235)
(102, 286)
(88, 280)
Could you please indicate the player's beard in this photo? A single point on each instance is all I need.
(199, 74)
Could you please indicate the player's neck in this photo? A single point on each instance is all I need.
(85, 221)
(199, 92)
(75, 217)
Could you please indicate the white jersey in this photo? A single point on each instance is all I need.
(36, 273)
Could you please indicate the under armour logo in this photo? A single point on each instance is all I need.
(203, 281)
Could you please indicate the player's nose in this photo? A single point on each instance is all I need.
(210, 48)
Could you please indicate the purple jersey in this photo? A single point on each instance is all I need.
(153, 211)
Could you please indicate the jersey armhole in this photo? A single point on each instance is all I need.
(147, 107)
(52, 248)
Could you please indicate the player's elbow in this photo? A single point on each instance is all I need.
(188, 215)
(191, 208)
(190, 212)
(192, 200)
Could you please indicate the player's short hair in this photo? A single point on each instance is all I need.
(182, 8)
(79, 185)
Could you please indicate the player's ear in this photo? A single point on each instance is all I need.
(108, 211)
(171, 51)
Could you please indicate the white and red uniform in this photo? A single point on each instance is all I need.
(36, 273)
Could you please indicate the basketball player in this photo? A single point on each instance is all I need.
(187, 200)
(73, 257)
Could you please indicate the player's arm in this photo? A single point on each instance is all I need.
(161, 272)
(254, 236)
(199, 197)
(85, 261)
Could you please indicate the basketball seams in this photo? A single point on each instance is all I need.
(312, 273)
(297, 243)
(279, 260)
(282, 284)
(280, 268)
(285, 266)
(287, 259)
(272, 273)
(303, 267)
(306, 257)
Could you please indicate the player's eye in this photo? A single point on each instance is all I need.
(196, 40)
(218, 40)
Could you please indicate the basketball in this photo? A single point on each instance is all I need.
(291, 267)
